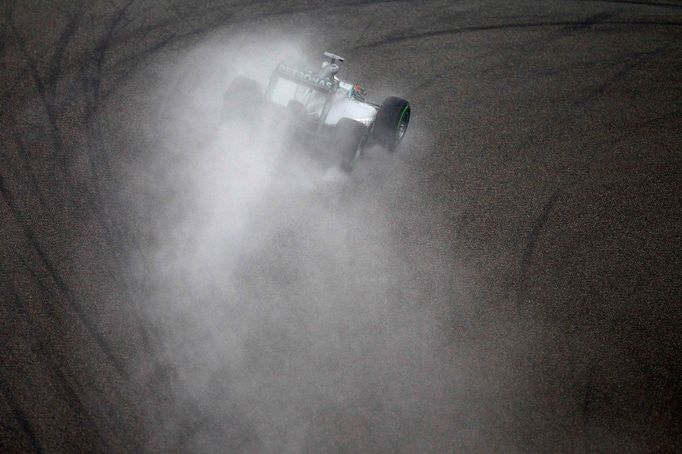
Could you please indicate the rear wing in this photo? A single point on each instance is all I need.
(304, 76)
(302, 83)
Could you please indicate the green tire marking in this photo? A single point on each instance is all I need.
(402, 114)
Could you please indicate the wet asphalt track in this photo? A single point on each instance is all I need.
(545, 144)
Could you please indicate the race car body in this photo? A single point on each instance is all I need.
(323, 105)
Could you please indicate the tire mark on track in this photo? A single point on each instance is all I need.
(479, 28)
(46, 86)
(91, 82)
(114, 234)
(596, 19)
(128, 66)
(66, 292)
(527, 253)
(43, 93)
(633, 2)
(528, 46)
(19, 415)
(539, 223)
(55, 65)
(620, 75)
(38, 347)
(24, 158)
(94, 82)
(22, 150)
(310, 9)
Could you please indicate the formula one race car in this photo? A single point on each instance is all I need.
(323, 106)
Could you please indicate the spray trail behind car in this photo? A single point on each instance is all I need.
(288, 314)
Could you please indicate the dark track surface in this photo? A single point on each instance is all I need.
(542, 168)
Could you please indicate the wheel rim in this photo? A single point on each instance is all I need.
(402, 128)
(402, 123)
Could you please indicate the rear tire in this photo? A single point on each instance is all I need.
(391, 123)
(350, 139)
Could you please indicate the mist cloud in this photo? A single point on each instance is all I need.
(287, 311)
